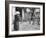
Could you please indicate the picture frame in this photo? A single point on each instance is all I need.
(12, 8)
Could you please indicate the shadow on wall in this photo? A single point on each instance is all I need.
(12, 0)
(13, 37)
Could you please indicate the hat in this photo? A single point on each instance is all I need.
(17, 12)
(37, 10)
(29, 10)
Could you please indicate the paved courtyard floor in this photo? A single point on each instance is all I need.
(25, 26)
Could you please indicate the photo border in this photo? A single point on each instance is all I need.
(7, 18)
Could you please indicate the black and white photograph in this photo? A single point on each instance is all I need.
(25, 18)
